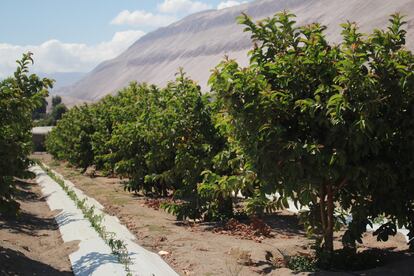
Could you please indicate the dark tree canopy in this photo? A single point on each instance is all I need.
(54, 115)
(330, 126)
(40, 112)
(20, 95)
(56, 100)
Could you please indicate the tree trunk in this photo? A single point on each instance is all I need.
(225, 206)
(327, 216)
(322, 195)
(330, 220)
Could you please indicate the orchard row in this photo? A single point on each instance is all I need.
(328, 126)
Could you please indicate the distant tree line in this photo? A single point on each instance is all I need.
(44, 118)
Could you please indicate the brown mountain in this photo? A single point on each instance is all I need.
(199, 41)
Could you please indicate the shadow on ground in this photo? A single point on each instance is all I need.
(26, 222)
(89, 263)
(16, 263)
(285, 224)
(388, 263)
(64, 218)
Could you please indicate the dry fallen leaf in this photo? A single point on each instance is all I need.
(163, 253)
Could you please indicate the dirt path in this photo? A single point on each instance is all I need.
(31, 243)
(195, 249)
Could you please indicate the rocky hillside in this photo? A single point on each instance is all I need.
(198, 42)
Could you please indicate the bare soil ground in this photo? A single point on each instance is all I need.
(199, 249)
(30, 244)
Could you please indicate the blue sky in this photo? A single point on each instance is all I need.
(76, 35)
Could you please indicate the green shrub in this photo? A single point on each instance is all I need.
(325, 125)
(329, 126)
(20, 96)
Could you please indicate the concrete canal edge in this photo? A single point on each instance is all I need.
(94, 256)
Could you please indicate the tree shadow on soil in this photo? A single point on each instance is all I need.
(16, 263)
(266, 267)
(373, 261)
(24, 192)
(287, 225)
(284, 224)
(25, 222)
(376, 261)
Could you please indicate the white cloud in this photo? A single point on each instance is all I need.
(142, 18)
(56, 56)
(182, 6)
(230, 3)
(169, 11)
